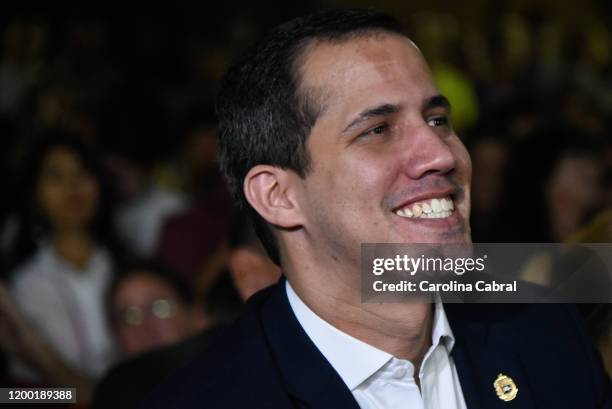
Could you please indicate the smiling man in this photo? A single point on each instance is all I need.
(333, 134)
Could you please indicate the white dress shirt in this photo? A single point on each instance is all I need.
(376, 378)
(67, 307)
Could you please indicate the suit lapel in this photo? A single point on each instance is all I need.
(308, 377)
(480, 354)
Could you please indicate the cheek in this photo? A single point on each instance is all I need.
(360, 179)
(90, 192)
(49, 198)
(130, 339)
(171, 329)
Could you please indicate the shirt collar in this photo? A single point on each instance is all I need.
(354, 360)
(441, 331)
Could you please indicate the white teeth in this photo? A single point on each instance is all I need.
(437, 208)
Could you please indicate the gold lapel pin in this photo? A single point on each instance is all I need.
(505, 388)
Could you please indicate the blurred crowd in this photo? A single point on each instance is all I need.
(117, 235)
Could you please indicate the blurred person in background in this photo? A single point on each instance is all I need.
(553, 189)
(159, 326)
(193, 242)
(145, 207)
(248, 271)
(490, 155)
(56, 105)
(249, 266)
(553, 186)
(63, 256)
(150, 307)
(141, 141)
(19, 338)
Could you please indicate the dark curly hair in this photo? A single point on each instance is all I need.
(31, 222)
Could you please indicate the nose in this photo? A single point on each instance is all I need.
(427, 152)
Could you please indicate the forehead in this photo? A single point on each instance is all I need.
(140, 286)
(60, 154)
(367, 67)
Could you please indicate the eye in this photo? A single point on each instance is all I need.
(439, 121)
(377, 130)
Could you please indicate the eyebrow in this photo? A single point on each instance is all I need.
(437, 101)
(372, 112)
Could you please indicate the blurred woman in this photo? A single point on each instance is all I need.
(63, 256)
(553, 186)
(149, 307)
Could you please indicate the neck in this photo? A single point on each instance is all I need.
(76, 247)
(400, 329)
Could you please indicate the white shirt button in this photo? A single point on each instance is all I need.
(400, 372)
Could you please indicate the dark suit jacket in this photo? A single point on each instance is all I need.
(266, 360)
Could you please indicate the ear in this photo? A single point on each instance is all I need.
(271, 192)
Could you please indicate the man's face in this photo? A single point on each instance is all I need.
(386, 164)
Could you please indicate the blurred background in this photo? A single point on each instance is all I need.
(117, 235)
